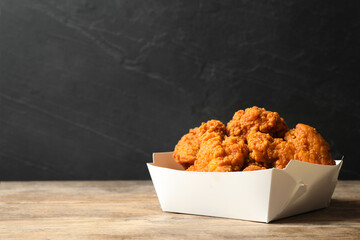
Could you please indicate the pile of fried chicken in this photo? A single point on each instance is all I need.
(254, 139)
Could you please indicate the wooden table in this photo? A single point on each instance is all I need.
(130, 210)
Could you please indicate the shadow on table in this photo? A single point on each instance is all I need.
(339, 210)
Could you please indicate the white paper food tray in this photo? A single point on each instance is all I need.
(263, 195)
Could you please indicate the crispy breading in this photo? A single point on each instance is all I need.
(254, 139)
(308, 146)
(219, 153)
(253, 167)
(261, 147)
(187, 148)
(256, 120)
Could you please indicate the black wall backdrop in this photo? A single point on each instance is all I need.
(89, 89)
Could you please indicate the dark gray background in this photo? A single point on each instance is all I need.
(89, 89)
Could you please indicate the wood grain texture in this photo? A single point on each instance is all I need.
(130, 210)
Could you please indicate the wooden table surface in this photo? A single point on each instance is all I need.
(130, 210)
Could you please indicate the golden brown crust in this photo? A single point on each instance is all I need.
(187, 148)
(254, 139)
(253, 167)
(219, 153)
(256, 120)
(191, 168)
(261, 147)
(283, 153)
(308, 145)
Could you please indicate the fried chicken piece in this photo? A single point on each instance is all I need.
(302, 143)
(282, 153)
(211, 129)
(261, 147)
(211, 134)
(187, 148)
(254, 139)
(218, 152)
(256, 120)
(236, 152)
(253, 167)
(308, 145)
(265, 150)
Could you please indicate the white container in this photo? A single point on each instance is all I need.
(263, 195)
